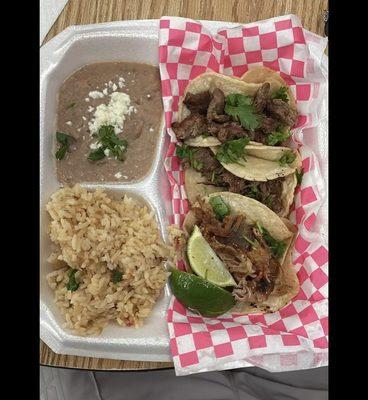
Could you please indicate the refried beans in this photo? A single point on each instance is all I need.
(141, 128)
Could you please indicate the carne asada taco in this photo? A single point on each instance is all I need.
(262, 179)
(252, 243)
(218, 108)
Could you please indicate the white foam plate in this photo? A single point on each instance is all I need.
(71, 49)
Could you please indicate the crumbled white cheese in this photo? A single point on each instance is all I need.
(94, 146)
(107, 152)
(70, 123)
(86, 99)
(114, 87)
(151, 129)
(105, 92)
(118, 175)
(110, 84)
(84, 118)
(110, 266)
(96, 94)
(90, 109)
(105, 84)
(121, 79)
(112, 114)
(148, 95)
(78, 129)
(121, 84)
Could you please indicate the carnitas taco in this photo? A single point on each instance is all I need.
(250, 242)
(218, 108)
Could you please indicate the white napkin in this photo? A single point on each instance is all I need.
(49, 11)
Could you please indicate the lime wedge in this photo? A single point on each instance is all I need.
(199, 295)
(205, 262)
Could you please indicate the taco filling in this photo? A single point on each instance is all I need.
(264, 117)
(249, 252)
(203, 160)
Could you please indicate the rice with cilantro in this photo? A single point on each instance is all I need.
(109, 262)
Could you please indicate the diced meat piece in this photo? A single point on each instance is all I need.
(235, 184)
(192, 126)
(282, 111)
(215, 111)
(226, 131)
(268, 124)
(261, 97)
(198, 103)
(206, 157)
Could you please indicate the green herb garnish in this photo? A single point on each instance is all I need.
(253, 243)
(269, 201)
(185, 151)
(277, 247)
(220, 208)
(107, 138)
(117, 276)
(97, 154)
(71, 105)
(64, 140)
(72, 284)
(299, 176)
(232, 150)
(277, 137)
(214, 178)
(281, 94)
(253, 191)
(240, 107)
(287, 158)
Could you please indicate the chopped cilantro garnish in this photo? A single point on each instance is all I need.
(240, 107)
(287, 158)
(220, 208)
(281, 94)
(232, 150)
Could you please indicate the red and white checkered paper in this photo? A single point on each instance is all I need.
(296, 336)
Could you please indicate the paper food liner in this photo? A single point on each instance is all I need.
(295, 337)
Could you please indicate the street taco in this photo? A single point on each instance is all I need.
(255, 246)
(264, 180)
(216, 108)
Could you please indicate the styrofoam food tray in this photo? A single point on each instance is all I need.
(76, 46)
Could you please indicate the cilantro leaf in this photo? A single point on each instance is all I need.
(108, 139)
(240, 107)
(277, 247)
(277, 137)
(299, 176)
(72, 284)
(269, 200)
(117, 276)
(253, 191)
(185, 151)
(287, 158)
(64, 139)
(97, 154)
(71, 105)
(220, 208)
(281, 94)
(232, 150)
(61, 151)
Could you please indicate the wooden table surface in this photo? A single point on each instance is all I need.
(80, 12)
